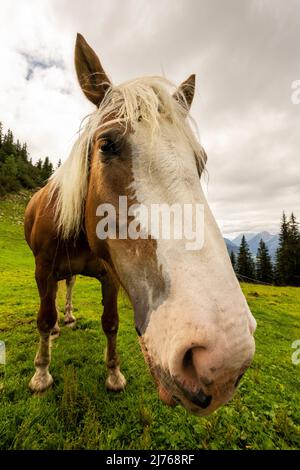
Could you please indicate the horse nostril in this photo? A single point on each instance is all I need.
(202, 400)
(238, 379)
(190, 363)
(199, 398)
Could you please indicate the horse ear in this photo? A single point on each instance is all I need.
(91, 76)
(185, 92)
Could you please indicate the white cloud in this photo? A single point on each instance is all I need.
(46, 110)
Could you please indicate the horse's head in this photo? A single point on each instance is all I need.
(194, 324)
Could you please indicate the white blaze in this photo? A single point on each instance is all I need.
(205, 298)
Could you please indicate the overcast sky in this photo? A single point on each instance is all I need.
(245, 54)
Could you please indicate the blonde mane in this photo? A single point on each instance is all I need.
(148, 99)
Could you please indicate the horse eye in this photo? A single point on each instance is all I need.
(108, 146)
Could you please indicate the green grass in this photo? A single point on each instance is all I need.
(78, 413)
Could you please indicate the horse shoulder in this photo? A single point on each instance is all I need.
(38, 222)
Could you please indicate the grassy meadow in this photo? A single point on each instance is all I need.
(78, 413)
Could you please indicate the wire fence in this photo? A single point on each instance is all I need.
(255, 281)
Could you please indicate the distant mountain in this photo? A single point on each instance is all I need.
(231, 246)
(273, 245)
(237, 240)
(253, 240)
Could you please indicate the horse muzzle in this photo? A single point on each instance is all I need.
(200, 379)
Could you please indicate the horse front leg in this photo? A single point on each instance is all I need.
(46, 321)
(110, 322)
(69, 317)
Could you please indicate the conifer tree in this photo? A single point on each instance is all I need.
(16, 168)
(245, 264)
(264, 268)
(24, 153)
(47, 169)
(39, 164)
(294, 251)
(282, 268)
(233, 260)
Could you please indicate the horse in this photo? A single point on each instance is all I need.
(193, 323)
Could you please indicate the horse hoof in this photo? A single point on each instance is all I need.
(70, 321)
(115, 381)
(40, 381)
(55, 331)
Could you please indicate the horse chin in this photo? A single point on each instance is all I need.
(171, 400)
(202, 412)
(165, 396)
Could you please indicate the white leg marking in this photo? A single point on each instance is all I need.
(42, 379)
(115, 380)
(69, 317)
(55, 331)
